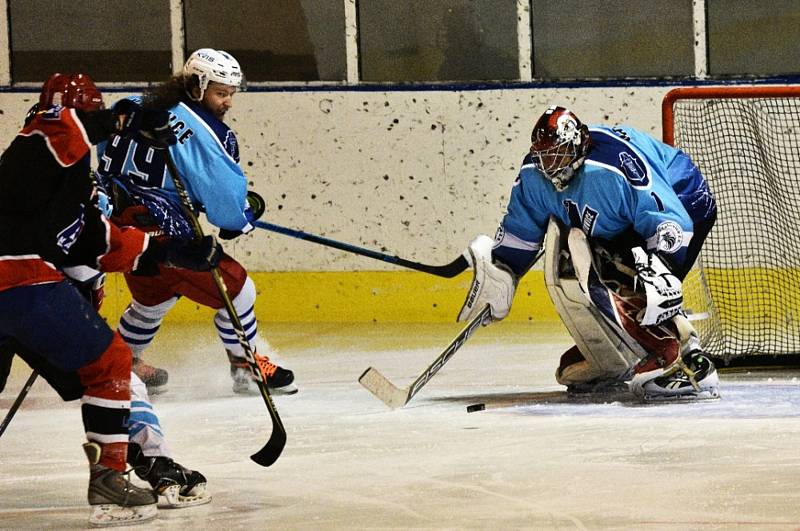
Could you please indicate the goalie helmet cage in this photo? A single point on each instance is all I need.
(746, 282)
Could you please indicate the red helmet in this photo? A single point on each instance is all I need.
(559, 145)
(71, 90)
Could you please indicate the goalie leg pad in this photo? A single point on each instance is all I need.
(604, 352)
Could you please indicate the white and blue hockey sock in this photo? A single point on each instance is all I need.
(139, 323)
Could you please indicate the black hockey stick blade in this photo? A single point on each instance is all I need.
(447, 270)
(394, 397)
(277, 441)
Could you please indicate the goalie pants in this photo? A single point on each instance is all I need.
(56, 322)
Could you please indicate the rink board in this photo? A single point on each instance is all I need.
(355, 296)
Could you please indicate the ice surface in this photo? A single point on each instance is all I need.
(534, 459)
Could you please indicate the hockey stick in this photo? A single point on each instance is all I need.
(377, 384)
(277, 440)
(18, 402)
(447, 271)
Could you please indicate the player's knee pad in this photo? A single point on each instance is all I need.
(604, 349)
(108, 377)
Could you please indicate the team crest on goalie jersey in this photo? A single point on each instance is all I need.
(634, 169)
(669, 237)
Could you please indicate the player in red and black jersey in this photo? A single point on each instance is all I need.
(48, 222)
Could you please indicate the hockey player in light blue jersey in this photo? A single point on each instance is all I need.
(207, 158)
(625, 217)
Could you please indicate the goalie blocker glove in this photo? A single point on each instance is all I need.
(663, 290)
(493, 283)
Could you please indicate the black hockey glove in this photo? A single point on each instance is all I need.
(131, 119)
(155, 125)
(128, 117)
(196, 256)
(256, 206)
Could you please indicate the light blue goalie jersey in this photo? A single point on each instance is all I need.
(207, 158)
(628, 181)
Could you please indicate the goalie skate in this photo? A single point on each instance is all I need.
(695, 379)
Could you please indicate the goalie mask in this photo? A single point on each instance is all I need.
(206, 65)
(559, 145)
(76, 91)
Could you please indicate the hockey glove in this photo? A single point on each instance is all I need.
(492, 283)
(256, 206)
(156, 126)
(132, 119)
(196, 256)
(128, 117)
(663, 290)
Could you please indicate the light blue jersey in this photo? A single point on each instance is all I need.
(207, 158)
(629, 181)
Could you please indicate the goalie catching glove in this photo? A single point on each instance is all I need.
(663, 289)
(492, 283)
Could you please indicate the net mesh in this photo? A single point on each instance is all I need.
(747, 280)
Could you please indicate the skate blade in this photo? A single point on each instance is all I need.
(171, 498)
(706, 394)
(156, 390)
(252, 389)
(285, 390)
(109, 515)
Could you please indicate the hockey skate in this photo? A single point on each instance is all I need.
(114, 499)
(692, 377)
(279, 380)
(176, 486)
(582, 379)
(154, 378)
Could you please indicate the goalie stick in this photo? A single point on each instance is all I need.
(277, 440)
(447, 271)
(18, 402)
(377, 384)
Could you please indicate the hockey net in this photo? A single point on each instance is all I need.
(745, 287)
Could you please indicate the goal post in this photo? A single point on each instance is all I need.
(746, 282)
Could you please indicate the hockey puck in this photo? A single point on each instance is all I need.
(476, 407)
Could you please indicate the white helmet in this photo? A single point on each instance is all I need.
(213, 65)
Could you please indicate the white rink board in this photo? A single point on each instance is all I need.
(420, 173)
